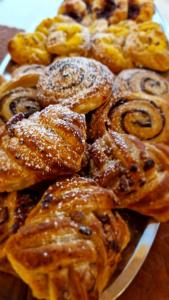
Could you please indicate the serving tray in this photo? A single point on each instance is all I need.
(143, 233)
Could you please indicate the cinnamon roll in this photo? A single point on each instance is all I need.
(141, 10)
(18, 100)
(80, 83)
(28, 69)
(68, 39)
(141, 81)
(148, 47)
(139, 114)
(137, 173)
(29, 48)
(71, 242)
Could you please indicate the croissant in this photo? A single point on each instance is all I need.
(14, 208)
(137, 173)
(48, 144)
(141, 10)
(80, 83)
(29, 48)
(141, 81)
(139, 114)
(68, 39)
(71, 242)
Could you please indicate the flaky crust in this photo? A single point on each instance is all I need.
(71, 242)
(136, 172)
(80, 83)
(48, 144)
(141, 81)
(139, 114)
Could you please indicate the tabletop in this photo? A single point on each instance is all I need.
(152, 282)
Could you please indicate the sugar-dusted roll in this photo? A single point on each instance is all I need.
(80, 83)
(139, 114)
(141, 81)
(71, 242)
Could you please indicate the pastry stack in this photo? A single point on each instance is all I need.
(82, 139)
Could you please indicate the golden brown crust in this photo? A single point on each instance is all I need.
(142, 115)
(136, 172)
(71, 241)
(141, 10)
(141, 81)
(80, 83)
(48, 144)
(33, 70)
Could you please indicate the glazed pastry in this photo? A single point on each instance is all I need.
(142, 115)
(28, 70)
(80, 83)
(45, 146)
(148, 47)
(141, 10)
(137, 173)
(71, 242)
(29, 48)
(45, 26)
(18, 100)
(14, 208)
(68, 39)
(107, 47)
(141, 81)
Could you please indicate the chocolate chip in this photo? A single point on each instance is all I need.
(85, 230)
(104, 219)
(114, 246)
(134, 11)
(149, 164)
(133, 168)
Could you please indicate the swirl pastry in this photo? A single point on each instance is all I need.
(18, 100)
(33, 70)
(139, 114)
(80, 83)
(29, 48)
(71, 242)
(137, 173)
(141, 81)
(45, 26)
(68, 39)
(48, 144)
(148, 47)
(141, 10)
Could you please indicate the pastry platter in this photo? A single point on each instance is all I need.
(144, 235)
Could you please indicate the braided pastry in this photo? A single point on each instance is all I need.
(18, 100)
(138, 114)
(48, 144)
(45, 26)
(141, 10)
(29, 48)
(137, 173)
(82, 84)
(141, 81)
(148, 47)
(71, 242)
(68, 39)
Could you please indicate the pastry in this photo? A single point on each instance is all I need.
(71, 242)
(68, 39)
(45, 26)
(142, 115)
(29, 48)
(2, 79)
(137, 173)
(76, 9)
(141, 81)
(33, 70)
(18, 100)
(80, 83)
(148, 47)
(141, 10)
(45, 146)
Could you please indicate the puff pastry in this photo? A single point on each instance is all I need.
(80, 83)
(139, 114)
(29, 48)
(71, 242)
(137, 173)
(66, 39)
(48, 144)
(141, 81)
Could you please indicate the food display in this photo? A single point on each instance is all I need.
(84, 137)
